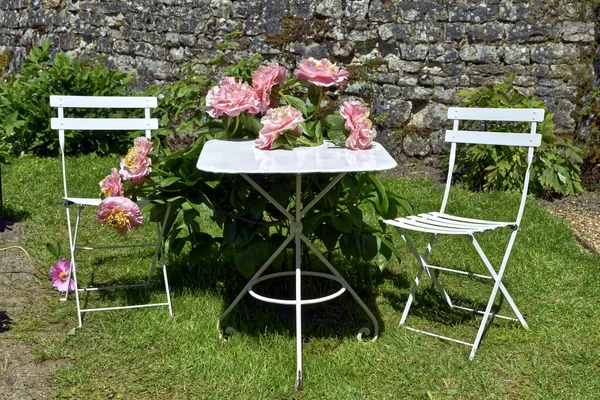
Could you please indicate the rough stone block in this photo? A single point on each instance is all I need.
(382, 10)
(539, 31)
(455, 32)
(390, 109)
(416, 52)
(508, 11)
(562, 109)
(515, 54)
(329, 8)
(472, 13)
(488, 32)
(155, 69)
(407, 80)
(415, 145)
(428, 33)
(443, 53)
(480, 53)
(433, 116)
(422, 10)
(356, 9)
(578, 31)
(300, 8)
(552, 53)
(399, 32)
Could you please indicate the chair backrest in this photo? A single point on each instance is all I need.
(530, 140)
(63, 124)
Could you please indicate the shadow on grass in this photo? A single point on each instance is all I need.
(340, 317)
(434, 312)
(5, 322)
(11, 216)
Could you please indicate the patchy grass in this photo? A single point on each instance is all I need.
(144, 354)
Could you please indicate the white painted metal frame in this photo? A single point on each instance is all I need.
(296, 233)
(147, 124)
(326, 158)
(441, 223)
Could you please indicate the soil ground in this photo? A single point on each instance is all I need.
(23, 375)
(27, 375)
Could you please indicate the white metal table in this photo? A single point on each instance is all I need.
(241, 157)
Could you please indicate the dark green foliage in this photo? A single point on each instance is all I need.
(556, 166)
(252, 228)
(25, 107)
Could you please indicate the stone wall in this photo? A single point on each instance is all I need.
(407, 58)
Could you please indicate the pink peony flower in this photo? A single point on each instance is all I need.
(275, 122)
(112, 185)
(356, 115)
(232, 98)
(360, 139)
(59, 273)
(136, 164)
(321, 72)
(263, 81)
(120, 213)
(358, 123)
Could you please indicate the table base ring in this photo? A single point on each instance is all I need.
(294, 302)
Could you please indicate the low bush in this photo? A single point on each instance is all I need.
(556, 166)
(25, 108)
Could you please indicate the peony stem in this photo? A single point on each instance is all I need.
(237, 124)
(318, 105)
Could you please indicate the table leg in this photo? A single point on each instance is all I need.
(297, 230)
(251, 282)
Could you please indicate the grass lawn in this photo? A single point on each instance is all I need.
(144, 354)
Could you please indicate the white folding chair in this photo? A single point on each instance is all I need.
(147, 124)
(441, 223)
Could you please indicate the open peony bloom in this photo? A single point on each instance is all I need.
(59, 273)
(112, 185)
(119, 213)
(275, 122)
(232, 98)
(358, 123)
(361, 139)
(263, 81)
(321, 72)
(136, 164)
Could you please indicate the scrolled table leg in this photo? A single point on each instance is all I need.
(362, 331)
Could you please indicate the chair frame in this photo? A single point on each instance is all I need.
(147, 124)
(441, 223)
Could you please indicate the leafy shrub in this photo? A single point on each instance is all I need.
(252, 228)
(556, 166)
(25, 108)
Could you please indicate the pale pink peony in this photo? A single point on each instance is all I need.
(360, 139)
(136, 164)
(232, 98)
(275, 122)
(356, 115)
(59, 273)
(263, 81)
(358, 123)
(265, 141)
(120, 213)
(321, 72)
(112, 184)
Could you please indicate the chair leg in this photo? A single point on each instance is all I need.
(423, 263)
(162, 257)
(72, 245)
(492, 272)
(411, 296)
